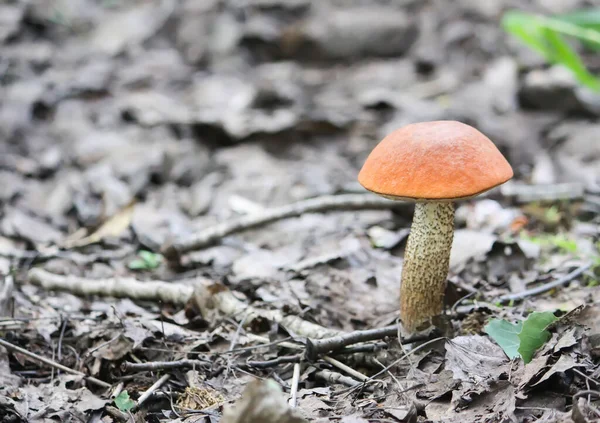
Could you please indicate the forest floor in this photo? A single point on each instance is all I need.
(127, 127)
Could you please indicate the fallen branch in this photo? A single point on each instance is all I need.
(345, 368)
(524, 193)
(155, 386)
(275, 362)
(171, 293)
(213, 234)
(208, 297)
(217, 297)
(545, 287)
(295, 380)
(152, 366)
(52, 363)
(316, 347)
(334, 377)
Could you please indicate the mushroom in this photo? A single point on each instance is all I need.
(432, 164)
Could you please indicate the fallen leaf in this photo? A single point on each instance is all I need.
(474, 358)
(506, 334)
(564, 363)
(113, 227)
(534, 334)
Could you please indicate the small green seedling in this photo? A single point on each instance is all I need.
(123, 402)
(146, 260)
(521, 339)
(559, 241)
(546, 35)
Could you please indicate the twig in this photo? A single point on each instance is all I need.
(545, 287)
(406, 355)
(160, 382)
(213, 234)
(117, 390)
(52, 363)
(113, 287)
(315, 347)
(524, 193)
(207, 296)
(217, 297)
(334, 377)
(118, 414)
(275, 362)
(361, 348)
(152, 366)
(347, 369)
(295, 381)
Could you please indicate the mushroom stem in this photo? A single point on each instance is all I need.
(426, 264)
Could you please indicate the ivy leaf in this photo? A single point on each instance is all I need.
(123, 402)
(534, 334)
(506, 334)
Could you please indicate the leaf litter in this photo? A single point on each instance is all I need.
(131, 126)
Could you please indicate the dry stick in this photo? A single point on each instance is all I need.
(113, 287)
(207, 296)
(361, 348)
(315, 347)
(163, 365)
(275, 362)
(525, 193)
(347, 369)
(160, 382)
(545, 287)
(213, 234)
(406, 355)
(334, 377)
(53, 364)
(295, 381)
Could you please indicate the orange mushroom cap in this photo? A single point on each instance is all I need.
(440, 160)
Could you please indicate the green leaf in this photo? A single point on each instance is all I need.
(534, 334)
(546, 36)
(586, 18)
(123, 402)
(147, 260)
(137, 264)
(506, 335)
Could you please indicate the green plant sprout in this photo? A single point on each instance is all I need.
(560, 241)
(546, 35)
(146, 260)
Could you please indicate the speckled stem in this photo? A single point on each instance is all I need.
(426, 263)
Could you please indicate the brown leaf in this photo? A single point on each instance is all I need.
(113, 227)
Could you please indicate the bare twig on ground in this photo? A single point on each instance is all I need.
(314, 205)
(207, 296)
(52, 363)
(127, 366)
(275, 362)
(346, 369)
(361, 348)
(295, 382)
(524, 193)
(334, 377)
(113, 287)
(315, 347)
(405, 356)
(160, 382)
(117, 414)
(217, 297)
(545, 287)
